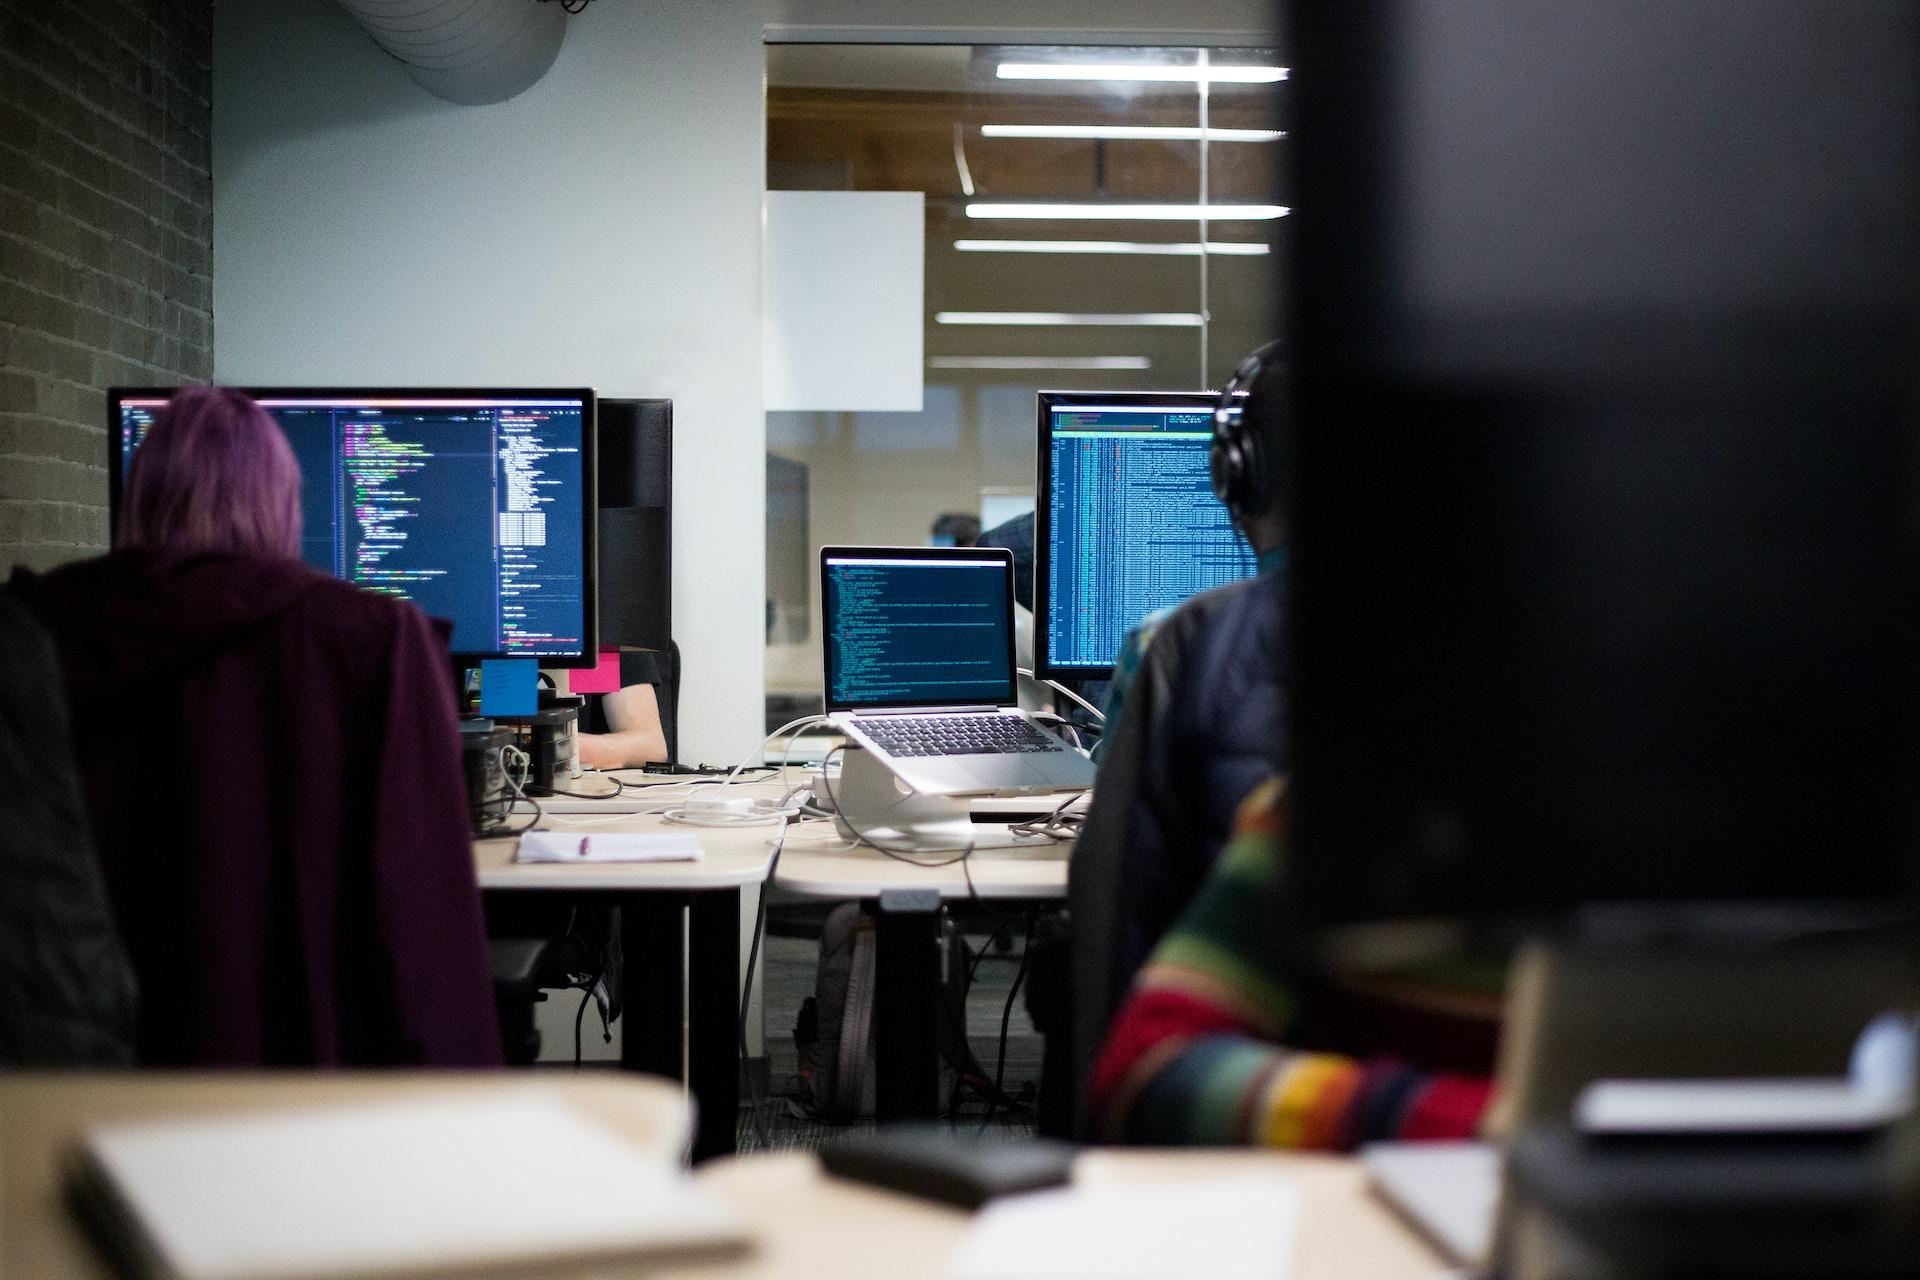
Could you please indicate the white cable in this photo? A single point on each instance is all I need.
(519, 785)
(674, 807)
(1057, 687)
(791, 726)
(1057, 825)
(757, 817)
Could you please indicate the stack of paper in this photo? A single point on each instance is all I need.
(572, 846)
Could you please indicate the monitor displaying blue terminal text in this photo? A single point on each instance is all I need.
(918, 630)
(1128, 521)
(475, 506)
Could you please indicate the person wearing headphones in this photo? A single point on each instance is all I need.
(1194, 1023)
(1195, 722)
(1238, 463)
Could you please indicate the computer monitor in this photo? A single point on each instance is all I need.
(1603, 561)
(1126, 521)
(635, 446)
(476, 504)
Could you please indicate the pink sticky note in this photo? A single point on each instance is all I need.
(604, 678)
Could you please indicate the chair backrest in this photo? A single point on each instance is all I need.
(669, 700)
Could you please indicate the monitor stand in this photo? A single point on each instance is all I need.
(873, 805)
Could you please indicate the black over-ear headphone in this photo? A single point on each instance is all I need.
(1234, 460)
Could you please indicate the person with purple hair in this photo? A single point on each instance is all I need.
(271, 766)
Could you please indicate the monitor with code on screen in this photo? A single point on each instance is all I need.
(1127, 522)
(477, 505)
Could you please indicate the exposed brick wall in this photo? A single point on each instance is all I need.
(106, 245)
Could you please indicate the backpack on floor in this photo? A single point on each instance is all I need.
(834, 1033)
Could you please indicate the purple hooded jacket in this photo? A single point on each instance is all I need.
(272, 771)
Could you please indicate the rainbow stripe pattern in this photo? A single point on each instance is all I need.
(1196, 1055)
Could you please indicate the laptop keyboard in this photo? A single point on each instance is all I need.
(955, 735)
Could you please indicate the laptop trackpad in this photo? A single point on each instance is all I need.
(1000, 773)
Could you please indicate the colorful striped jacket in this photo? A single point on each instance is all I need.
(1196, 1054)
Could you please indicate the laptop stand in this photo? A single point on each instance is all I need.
(871, 803)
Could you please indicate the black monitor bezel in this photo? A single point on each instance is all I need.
(1043, 664)
(589, 463)
(1001, 554)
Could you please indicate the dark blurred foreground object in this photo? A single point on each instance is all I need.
(1728, 1208)
(67, 994)
(1608, 353)
(1605, 334)
(935, 1164)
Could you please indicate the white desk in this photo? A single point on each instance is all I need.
(734, 859)
(804, 1224)
(680, 931)
(807, 1225)
(816, 863)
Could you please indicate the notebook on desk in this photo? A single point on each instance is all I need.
(918, 645)
(516, 1182)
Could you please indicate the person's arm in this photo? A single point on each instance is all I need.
(633, 713)
(1195, 1056)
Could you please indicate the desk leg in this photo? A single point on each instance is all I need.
(713, 1031)
(653, 946)
(906, 1015)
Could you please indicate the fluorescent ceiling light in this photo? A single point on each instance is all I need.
(1188, 249)
(1139, 71)
(1132, 212)
(1147, 319)
(1128, 132)
(1039, 362)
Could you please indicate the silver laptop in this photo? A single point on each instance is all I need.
(918, 644)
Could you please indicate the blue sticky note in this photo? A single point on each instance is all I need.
(509, 686)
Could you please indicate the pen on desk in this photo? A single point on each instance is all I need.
(583, 846)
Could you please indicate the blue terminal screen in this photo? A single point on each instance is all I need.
(1132, 524)
(912, 632)
(471, 508)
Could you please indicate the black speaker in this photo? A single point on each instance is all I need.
(636, 522)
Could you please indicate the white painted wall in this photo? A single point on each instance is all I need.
(602, 228)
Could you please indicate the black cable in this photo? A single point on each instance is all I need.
(618, 787)
(626, 786)
(1006, 1017)
(757, 1102)
(579, 1015)
(973, 971)
(966, 869)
